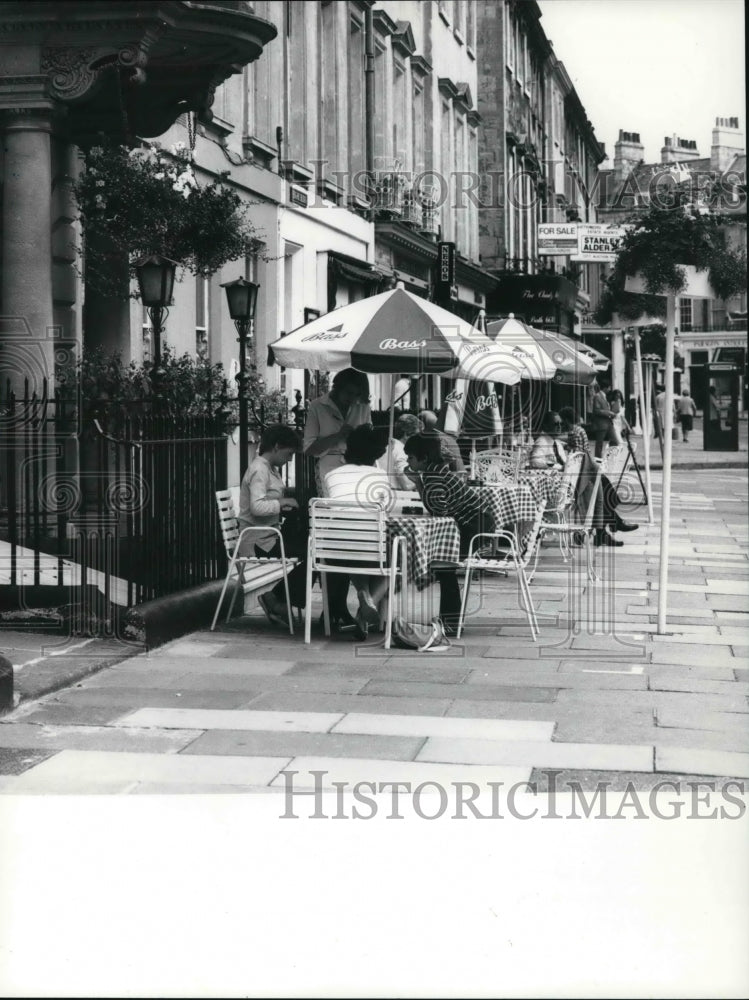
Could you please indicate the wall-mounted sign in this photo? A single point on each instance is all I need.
(446, 264)
(557, 238)
(598, 242)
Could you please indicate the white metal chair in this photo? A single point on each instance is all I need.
(515, 557)
(250, 573)
(585, 529)
(559, 512)
(350, 538)
(498, 465)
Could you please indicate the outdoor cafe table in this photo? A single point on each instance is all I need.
(428, 540)
(545, 484)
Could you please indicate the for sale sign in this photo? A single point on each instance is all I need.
(597, 242)
(557, 238)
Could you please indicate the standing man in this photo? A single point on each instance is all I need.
(601, 417)
(686, 409)
(330, 420)
(660, 411)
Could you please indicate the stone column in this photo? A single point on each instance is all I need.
(28, 337)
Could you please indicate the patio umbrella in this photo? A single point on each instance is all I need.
(600, 361)
(399, 333)
(564, 359)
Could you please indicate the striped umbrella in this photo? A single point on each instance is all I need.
(399, 333)
(568, 363)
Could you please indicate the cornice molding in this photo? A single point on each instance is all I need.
(421, 65)
(447, 88)
(383, 22)
(403, 38)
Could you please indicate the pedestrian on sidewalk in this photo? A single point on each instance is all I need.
(262, 502)
(602, 417)
(686, 410)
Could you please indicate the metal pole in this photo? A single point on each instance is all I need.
(391, 425)
(645, 424)
(668, 423)
(156, 314)
(244, 434)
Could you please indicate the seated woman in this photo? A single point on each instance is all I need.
(445, 494)
(262, 503)
(548, 452)
(359, 481)
(405, 426)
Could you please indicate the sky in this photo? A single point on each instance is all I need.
(657, 67)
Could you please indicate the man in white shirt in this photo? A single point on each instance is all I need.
(332, 417)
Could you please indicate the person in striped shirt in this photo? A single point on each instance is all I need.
(577, 439)
(446, 494)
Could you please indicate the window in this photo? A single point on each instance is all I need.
(381, 103)
(509, 38)
(329, 87)
(202, 287)
(685, 316)
(297, 82)
(461, 207)
(418, 143)
(357, 157)
(400, 141)
(470, 25)
(444, 167)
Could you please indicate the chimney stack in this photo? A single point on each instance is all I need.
(728, 142)
(628, 152)
(676, 150)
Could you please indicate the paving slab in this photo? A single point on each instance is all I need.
(16, 760)
(290, 701)
(696, 761)
(243, 719)
(559, 679)
(352, 771)
(599, 756)
(165, 666)
(476, 692)
(696, 685)
(80, 771)
(132, 698)
(414, 725)
(719, 721)
(95, 738)
(264, 744)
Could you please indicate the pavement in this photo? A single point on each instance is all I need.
(600, 697)
(691, 453)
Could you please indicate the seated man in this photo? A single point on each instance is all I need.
(262, 503)
(358, 480)
(405, 426)
(445, 494)
(606, 517)
(449, 450)
(548, 452)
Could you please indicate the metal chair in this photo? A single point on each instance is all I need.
(585, 530)
(250, 573)
(515, 557)
(559, 511)
(498, 465)
(350, 538)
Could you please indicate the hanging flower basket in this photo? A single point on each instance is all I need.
(143, 201)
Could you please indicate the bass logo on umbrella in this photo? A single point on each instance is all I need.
(401, 345)
(335, 333)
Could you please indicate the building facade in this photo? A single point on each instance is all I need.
(539, 157)
(709, 329)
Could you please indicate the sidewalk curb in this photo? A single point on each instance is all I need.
(675, 467)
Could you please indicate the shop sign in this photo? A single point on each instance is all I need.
(598, 242)
(557, 238)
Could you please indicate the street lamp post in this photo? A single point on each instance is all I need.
(156, 284)
(241, 296)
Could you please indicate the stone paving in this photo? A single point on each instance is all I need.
(601, 696)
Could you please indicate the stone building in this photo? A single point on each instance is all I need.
(539, 156)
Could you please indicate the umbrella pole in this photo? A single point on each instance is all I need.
(391, 424)
(668, 422)
(645, 425)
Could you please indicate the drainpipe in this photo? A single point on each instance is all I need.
(369, 97)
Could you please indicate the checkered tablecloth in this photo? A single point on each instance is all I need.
(545, 484)
(508, 503)
(428, 540)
